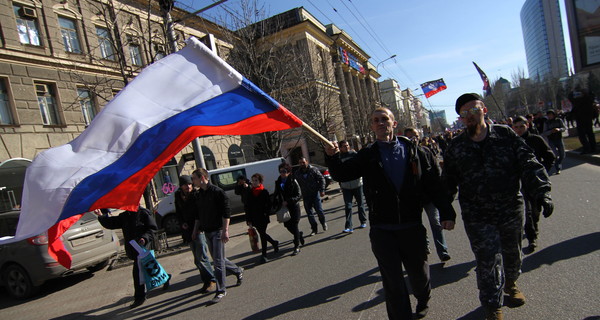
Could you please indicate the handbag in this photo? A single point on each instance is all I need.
(283, 215)
(151, 272)
(253, 235)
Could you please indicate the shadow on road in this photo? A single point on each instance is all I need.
(324, 295)
(565, 250)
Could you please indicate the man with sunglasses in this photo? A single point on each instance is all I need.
(487, 164)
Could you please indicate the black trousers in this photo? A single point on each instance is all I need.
(264, 237)
(292, 224)
(138, 286)
(394, 249)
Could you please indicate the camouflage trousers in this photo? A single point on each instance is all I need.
(497, 249)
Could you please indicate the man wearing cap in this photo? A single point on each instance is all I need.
(185, 209)
(553, 129)
(487, 164)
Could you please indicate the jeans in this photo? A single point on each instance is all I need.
(558, 147)
(394, 249)
(200, 250)
(222, 264)
(357, 194)
(311, 202)
(436, 229)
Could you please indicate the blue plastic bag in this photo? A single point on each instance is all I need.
(151, 272)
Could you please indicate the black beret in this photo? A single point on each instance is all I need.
(466, 98)
(185, 180)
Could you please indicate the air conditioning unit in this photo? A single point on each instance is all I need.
(27, 12)
(41, 89)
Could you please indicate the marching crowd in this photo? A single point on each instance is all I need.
(499, 172)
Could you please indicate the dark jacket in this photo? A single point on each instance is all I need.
(289, 193)
(311, 181)
(242, 191)
(135, 225)
(258, 207)
(186, 211)
(386, 205)
(551, 124)
(491, 173)
(541, 149)
(212, 207)
(583, 105)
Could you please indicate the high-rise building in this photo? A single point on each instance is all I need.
(544, 40)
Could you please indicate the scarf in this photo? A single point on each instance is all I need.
(256, 191)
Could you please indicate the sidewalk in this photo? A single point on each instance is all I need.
(238, 231)
(573, 149)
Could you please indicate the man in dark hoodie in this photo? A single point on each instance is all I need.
(396, 175)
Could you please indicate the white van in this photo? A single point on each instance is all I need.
(226, 179)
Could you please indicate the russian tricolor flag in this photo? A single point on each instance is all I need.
(432, 87)
(185, 95)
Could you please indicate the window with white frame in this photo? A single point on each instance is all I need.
(135, 53)
(68, 30)
(87, 105)
(47, 103)
(5, 110)
(106, 48)
(27, 25)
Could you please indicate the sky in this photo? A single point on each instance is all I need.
(431, 39)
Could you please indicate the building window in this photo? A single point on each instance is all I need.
(159, 51)
(47, 103)
(27, 25)
(106, 49)
(5, 110)
(69, 34)
(87, 105)
(134, 51)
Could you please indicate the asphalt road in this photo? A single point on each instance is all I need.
(336, 276)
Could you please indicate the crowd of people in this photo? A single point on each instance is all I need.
(500, 173)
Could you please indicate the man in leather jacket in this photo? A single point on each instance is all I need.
(396, 176)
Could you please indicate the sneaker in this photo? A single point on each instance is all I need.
(325, 227)
(276, 247)
(218, 297)
(240, 277)
(302, 238)
(137, 302)
(296, 251)
(208, 287)
(348, 231)
(363, 225)
(445, 257)
(263, 259)
(312, 233)
(167, 284)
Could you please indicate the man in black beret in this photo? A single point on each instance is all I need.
(486, 164)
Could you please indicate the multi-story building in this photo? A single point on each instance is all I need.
(391, 97)
(62, 61)
(544, 39)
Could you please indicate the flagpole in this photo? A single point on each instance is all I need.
(498, 106)
(317, 134)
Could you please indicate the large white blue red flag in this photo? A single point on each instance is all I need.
(432, 87)
(185, 95)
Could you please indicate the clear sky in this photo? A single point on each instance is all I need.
(431, 39)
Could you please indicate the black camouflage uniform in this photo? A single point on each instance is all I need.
(489, 175)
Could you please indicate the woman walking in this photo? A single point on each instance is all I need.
(258, 207)
(287, 192)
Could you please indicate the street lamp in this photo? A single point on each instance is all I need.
(377, 69)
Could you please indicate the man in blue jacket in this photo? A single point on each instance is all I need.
(396, 177)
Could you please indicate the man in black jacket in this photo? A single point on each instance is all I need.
(546, 157)
(396, 176)
(138, 226)
(186, 211)
(213, 219)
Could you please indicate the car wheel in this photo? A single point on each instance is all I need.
(99, 266)
(18, 283)
(171, 224)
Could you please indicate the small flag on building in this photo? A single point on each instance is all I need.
(432, 87)
(486, 82)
